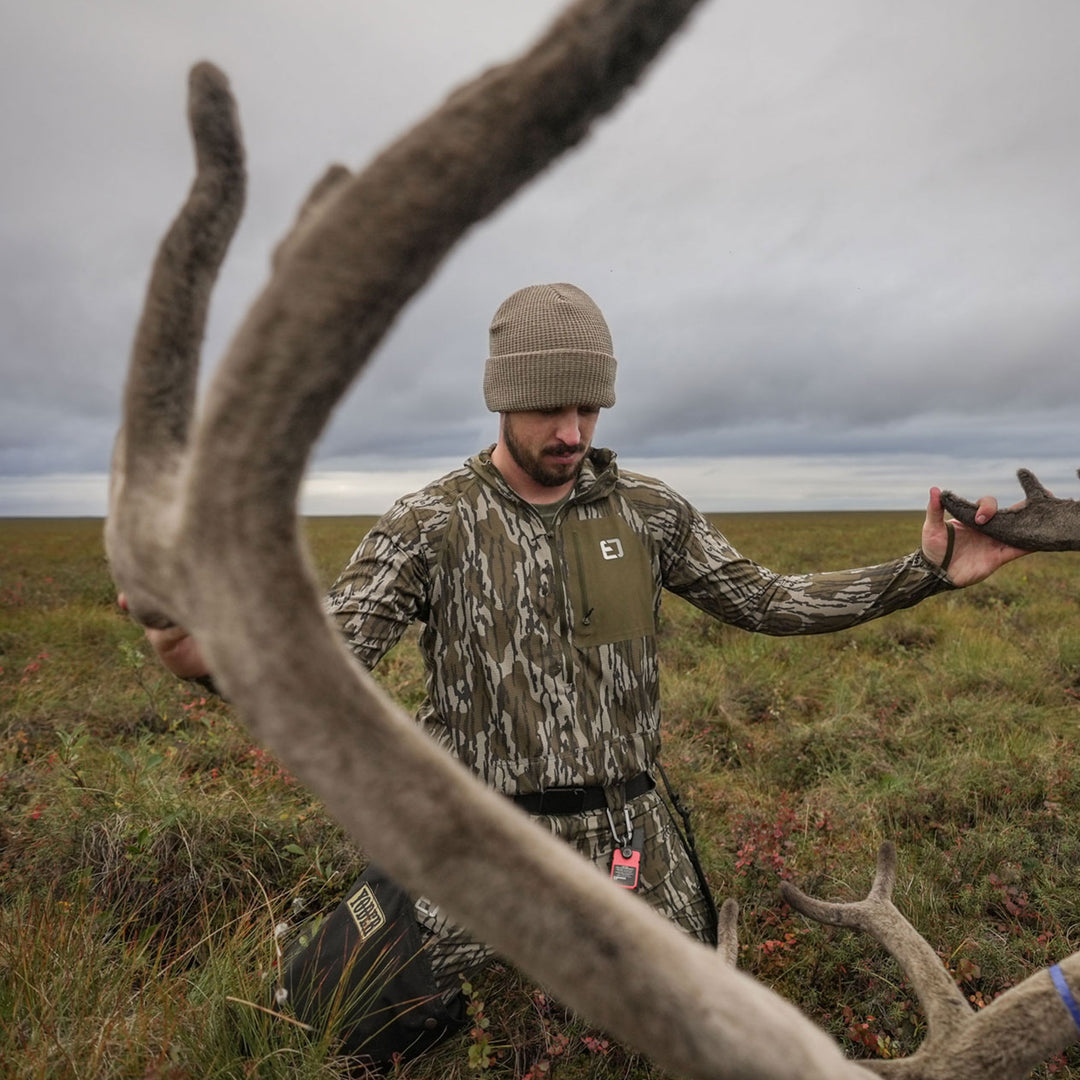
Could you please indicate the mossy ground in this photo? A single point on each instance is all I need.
(148, 849)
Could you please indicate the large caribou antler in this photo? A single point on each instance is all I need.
(202, 523)
(202, 519)
(1024, 1026)
(1041, 523)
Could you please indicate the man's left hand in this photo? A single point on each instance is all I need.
(975, 555)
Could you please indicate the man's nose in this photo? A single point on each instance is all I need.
(569, 429)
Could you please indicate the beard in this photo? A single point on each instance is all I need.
(539, 466)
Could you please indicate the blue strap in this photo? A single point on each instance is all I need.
(1065, 994)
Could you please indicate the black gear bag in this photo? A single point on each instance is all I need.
(363, 973)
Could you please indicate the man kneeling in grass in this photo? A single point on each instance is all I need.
(536, 571)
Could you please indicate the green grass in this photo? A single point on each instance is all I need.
(148, 849)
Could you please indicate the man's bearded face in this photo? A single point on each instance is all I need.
(549, 445)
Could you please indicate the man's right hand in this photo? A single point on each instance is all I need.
(175, 647)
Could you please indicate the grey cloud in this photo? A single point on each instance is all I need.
(819, 229)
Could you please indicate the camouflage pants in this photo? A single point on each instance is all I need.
(667, 881)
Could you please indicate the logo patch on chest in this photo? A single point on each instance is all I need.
(611, 549)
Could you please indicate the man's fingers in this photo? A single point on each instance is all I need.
(985, 509)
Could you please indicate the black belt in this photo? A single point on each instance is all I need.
(579, 800)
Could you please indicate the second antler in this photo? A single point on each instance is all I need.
(1020, 1029)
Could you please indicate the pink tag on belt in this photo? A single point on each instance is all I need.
(626, 863)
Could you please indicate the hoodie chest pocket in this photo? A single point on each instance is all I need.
(610, 582)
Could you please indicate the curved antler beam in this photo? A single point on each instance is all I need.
(215, 548)
(1042, 523)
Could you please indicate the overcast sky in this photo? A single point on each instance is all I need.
(837, 242)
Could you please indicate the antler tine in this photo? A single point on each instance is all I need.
(316, 201)
(160, 392)
(942, 1002)
(884, 873)
(727, 931)
(856, 915)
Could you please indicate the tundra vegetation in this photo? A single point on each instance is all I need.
(150, 853)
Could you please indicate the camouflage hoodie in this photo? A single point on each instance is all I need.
(540, 641)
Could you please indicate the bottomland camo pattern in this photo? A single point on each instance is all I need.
(539, 639)
(667, 881)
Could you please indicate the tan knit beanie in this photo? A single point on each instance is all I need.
(550, 347)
